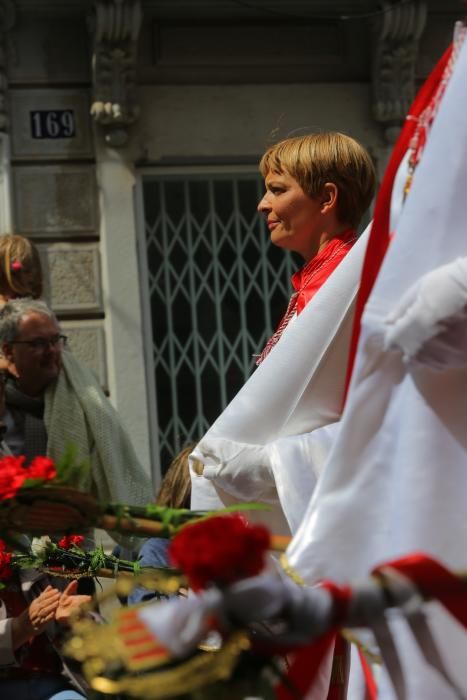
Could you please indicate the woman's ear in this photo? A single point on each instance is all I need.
(329, 197)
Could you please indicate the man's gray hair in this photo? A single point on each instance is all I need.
(13, 312)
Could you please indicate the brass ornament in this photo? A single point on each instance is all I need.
(199, 671)
(124, 657)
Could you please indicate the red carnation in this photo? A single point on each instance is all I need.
(42, 468)
(13, 473)
(69, 541)
(6, 571)
(219, 550)
(12, 476)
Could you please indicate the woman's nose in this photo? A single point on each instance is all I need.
(263, 205)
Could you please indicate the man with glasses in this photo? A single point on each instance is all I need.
(31, 341)
(52, 400)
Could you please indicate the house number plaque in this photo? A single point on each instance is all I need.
(53, 124)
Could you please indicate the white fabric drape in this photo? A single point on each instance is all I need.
(396, 478)
(297, 389)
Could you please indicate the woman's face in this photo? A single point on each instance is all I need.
(293, 217)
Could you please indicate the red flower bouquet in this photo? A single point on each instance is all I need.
(219, 550)
(70, 541)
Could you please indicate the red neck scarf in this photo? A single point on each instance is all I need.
(309, 279)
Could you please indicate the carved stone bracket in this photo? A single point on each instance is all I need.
(7, 20)
(396, 34)
(116, 32)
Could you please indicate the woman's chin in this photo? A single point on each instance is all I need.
(281, 239)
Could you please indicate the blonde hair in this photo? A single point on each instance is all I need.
(20, 267)
(315, 159)
(175, 490)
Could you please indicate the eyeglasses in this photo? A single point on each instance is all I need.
(42, 343)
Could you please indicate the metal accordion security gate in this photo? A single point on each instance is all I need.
(215, 290)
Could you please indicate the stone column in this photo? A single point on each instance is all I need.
(122, 303)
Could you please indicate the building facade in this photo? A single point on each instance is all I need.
(130, 134)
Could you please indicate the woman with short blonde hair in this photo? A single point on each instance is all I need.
(318, 187)
(315, 159)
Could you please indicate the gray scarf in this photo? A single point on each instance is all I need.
(28, 415)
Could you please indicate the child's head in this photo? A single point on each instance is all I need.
(175, 490)
(20, 268)
(316, 159)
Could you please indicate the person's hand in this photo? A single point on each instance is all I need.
(69, 603)
(427, 324)
(242, 469)
(36, 617)
(304, 612)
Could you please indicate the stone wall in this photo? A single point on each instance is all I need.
(55, 200)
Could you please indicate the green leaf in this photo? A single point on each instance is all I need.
(24, 561)
(70, 469)
(97, 559)
(137, 568)
(31, 483)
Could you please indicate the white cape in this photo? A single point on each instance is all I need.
(396, 478)
(298, 389)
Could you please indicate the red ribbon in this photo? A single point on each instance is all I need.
(307, 662)
(434, 581)
(371, 689)
(304, 668)
(379, 236)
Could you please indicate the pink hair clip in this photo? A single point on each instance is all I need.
(16, 265)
